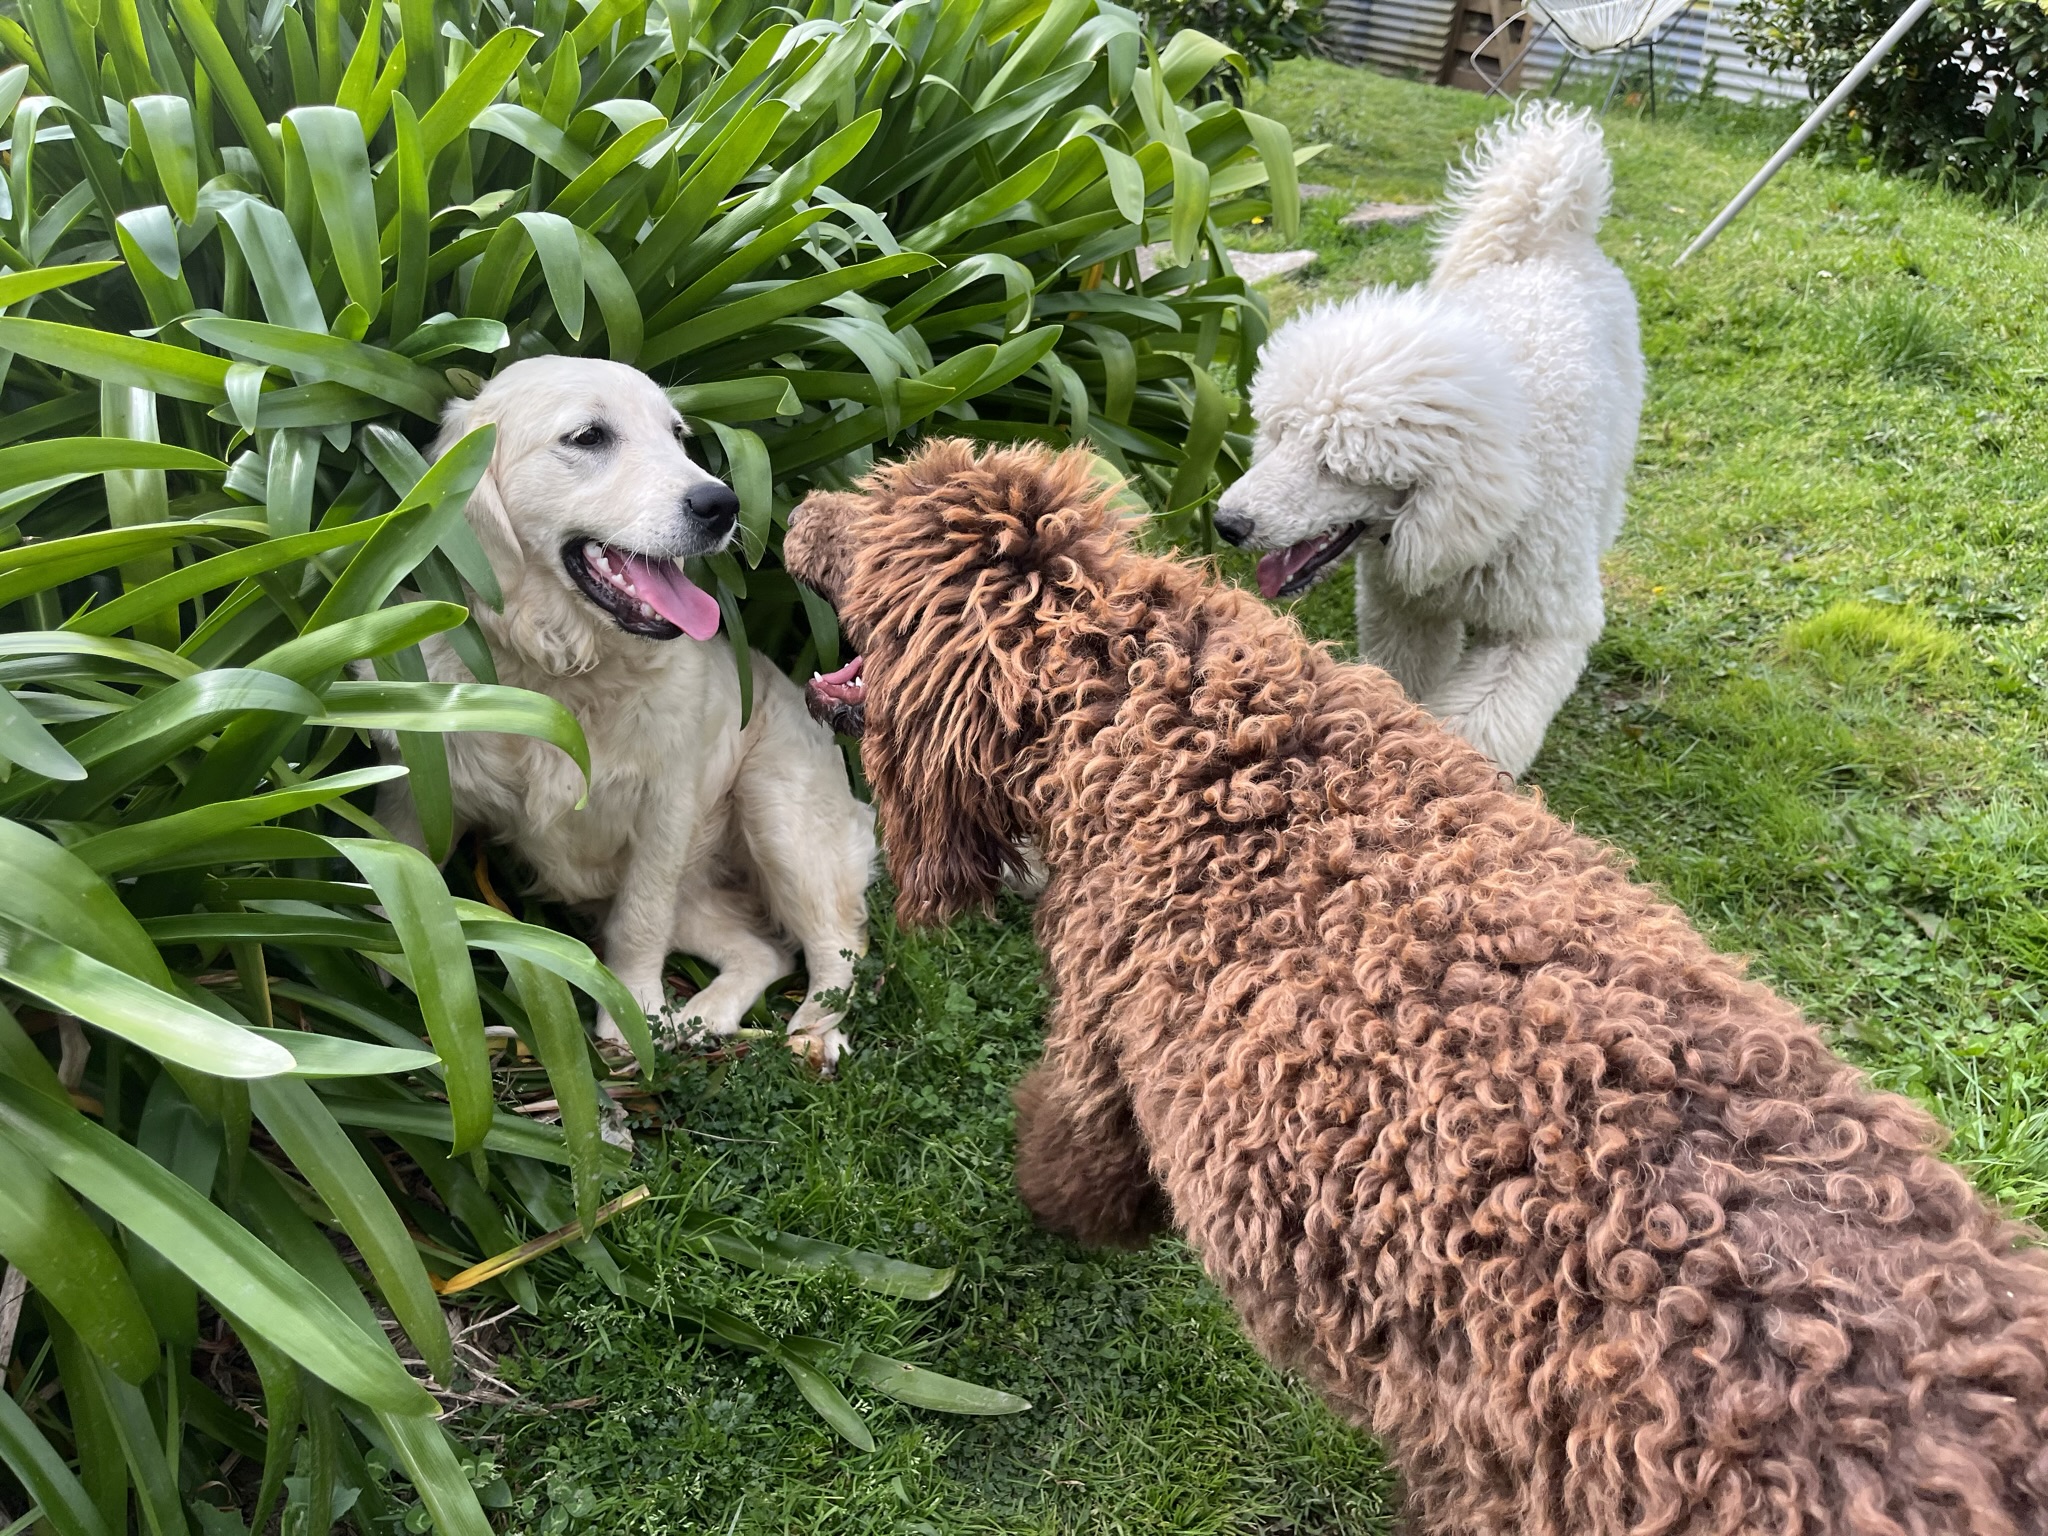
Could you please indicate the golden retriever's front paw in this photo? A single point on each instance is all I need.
(611, 1040)
(820, 1048)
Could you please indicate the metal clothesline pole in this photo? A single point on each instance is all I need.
(1819, 115)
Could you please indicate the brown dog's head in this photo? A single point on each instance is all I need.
(950, 572)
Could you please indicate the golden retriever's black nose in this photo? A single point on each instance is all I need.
(714, 506)
(1234, 526)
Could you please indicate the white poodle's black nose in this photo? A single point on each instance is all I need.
(712, 505)
(1234, 526)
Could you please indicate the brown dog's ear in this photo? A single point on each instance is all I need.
(967, 564)
(942, 730)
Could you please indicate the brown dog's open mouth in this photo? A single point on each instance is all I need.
(839, 699)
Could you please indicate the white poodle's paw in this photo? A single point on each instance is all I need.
(1030, 876)
(611, 1040)
(1510, 758)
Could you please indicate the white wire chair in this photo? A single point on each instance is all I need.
(1589, 29)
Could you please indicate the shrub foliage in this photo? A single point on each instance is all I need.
(1959, 98)
(1263, 32)
(249, 255)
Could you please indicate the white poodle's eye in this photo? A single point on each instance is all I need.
(595, 435)
(678, 429)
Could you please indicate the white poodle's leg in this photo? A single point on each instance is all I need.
(721, 926)
(1417, 646)
(813, 849)
(1502, 696)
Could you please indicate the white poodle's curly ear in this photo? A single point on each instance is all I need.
(1459, 515)
(486, 511)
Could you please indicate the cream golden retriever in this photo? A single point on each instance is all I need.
(737, 844)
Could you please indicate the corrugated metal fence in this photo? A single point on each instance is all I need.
(1411, 37)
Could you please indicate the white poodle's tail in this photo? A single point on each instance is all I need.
(1535, 184)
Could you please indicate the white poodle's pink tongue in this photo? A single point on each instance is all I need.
(664, 588)
(1281, 566)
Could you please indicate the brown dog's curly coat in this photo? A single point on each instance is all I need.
(1476, 1133)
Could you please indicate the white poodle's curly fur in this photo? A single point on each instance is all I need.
(1473, 436)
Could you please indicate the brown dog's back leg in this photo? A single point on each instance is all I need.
(1082, 1167)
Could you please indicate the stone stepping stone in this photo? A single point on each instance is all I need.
(1365, 215)
(1257, 266)
(1311, 190)
(1252, 266)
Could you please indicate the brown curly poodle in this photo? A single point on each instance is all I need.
(1476, 1133)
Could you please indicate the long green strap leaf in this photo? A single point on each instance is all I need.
(166, 1026)
(410, 233)
(16, 286)
(338, 161)
(74, 1268)
(180, 372)
(415, 528)
(132, 743)
(404, 706)
(211, 575)
(431, 1463)
(321, 1151)
(761, 309)
(124, 848)
(905, 1382)
(43, 1475)
(246, 1280)
(564, 1052)
(416, 900)
(28, 462)
(228, 79)
(332, 1056)
(569, 958)
(23, 740)
(61, 895)
(374, 370)
(403, 1117)
(482, 78)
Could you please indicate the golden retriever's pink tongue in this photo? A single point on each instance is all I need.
(665, 589)
(1278, 568)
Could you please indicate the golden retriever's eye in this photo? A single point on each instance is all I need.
(592, 436)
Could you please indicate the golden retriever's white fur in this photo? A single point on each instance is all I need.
(737, 845)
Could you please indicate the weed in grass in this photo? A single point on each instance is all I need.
(1904, 332)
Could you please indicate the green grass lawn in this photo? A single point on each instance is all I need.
(1816, 720)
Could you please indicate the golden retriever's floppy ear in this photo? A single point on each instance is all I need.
(965, 561)
(486, 510)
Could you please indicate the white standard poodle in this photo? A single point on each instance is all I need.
(1471, 438)
(737, 844)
